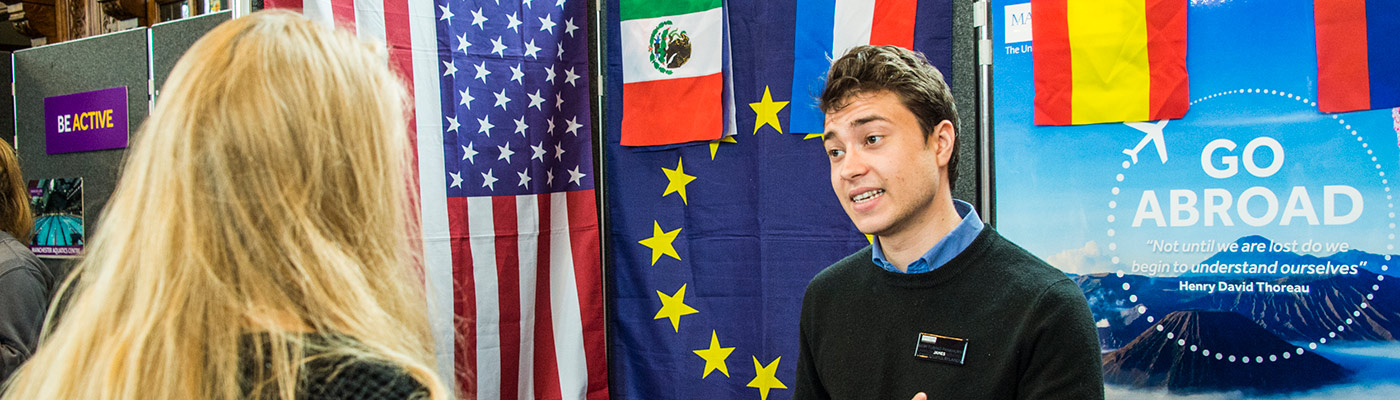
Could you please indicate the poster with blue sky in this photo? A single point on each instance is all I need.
(1247, 250)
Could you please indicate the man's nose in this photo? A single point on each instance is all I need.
(853, 165)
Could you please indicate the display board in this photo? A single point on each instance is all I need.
(169, 40)
(96, 64)
(86, 65)
(1245, 250)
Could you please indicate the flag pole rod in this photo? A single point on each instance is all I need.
(597, 31)
(241, 7)
(982, 22)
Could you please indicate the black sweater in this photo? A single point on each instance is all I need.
(1028, 329)
(360, 380)
(333, 377)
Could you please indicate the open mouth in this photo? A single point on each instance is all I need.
(867, 196)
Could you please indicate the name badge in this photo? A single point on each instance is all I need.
(940, 348)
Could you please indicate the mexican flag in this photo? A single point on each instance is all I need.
(672, 58)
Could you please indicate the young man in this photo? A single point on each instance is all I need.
(939, 304)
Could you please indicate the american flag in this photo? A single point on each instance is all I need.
(501, 97)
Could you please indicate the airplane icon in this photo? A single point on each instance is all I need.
(1153, 135)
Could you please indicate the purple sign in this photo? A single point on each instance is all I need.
(86, 121)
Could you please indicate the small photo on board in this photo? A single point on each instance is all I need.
(57, 205)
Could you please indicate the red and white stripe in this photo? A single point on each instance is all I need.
(399, 24)
(514, 283)
(532, 259)
(410, 31)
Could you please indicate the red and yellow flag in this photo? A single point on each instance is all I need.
(1109, 60)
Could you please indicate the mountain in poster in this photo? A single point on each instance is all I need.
(1209, 351)
(1331, 309)
(1368, 261)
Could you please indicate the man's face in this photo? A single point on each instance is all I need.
(883, 170)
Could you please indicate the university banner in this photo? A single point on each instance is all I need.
(711, 245)
(1245, 250)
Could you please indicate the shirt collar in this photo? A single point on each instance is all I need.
(948, 247)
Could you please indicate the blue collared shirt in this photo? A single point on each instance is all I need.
(950, 246)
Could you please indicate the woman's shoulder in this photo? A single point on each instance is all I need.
(335, 367)
(358, 378)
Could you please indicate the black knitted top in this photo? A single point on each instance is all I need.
(1027, 329)
(339, 378)
(360, 380)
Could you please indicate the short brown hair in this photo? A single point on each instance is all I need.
(15, 217)
(907, 74)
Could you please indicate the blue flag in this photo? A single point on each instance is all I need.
(712, 245)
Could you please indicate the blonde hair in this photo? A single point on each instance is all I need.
(15, 217)
(266, 198)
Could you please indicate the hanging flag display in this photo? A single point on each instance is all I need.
(1358, 54)
(509, 216)
(711, 247)
(672, 59)
(824, 29)
(1109, 61)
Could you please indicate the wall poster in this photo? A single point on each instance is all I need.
(86, 121)
(1246, 250)
(57, 205)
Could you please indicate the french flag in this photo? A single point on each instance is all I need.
(824, 29)
(1358, 54)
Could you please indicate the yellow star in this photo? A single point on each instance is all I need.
(767, 377)
(715, 356)
(660, 242)
(870, 239)
(674, 307)
(714, 144)
(676, 181)
(767, 111)
(812, 136)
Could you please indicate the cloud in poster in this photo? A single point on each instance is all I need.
(1115, 392)
(1358, 391)
(1260, 120)
(1361, 391)
(1388, 350)
(1083, 260)
(1376, 364)
(1208, 3)
(1395, 116)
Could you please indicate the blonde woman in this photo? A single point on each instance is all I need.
(25, 282)
(258, 243)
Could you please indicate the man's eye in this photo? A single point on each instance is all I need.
(872, 139)
(835, 153)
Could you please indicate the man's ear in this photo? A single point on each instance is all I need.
(942, 139)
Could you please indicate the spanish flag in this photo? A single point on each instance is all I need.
(1358, 54)
(1109, 60)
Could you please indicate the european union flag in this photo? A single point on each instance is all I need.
(712, 244)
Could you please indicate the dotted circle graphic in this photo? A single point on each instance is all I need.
(1142, 309)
